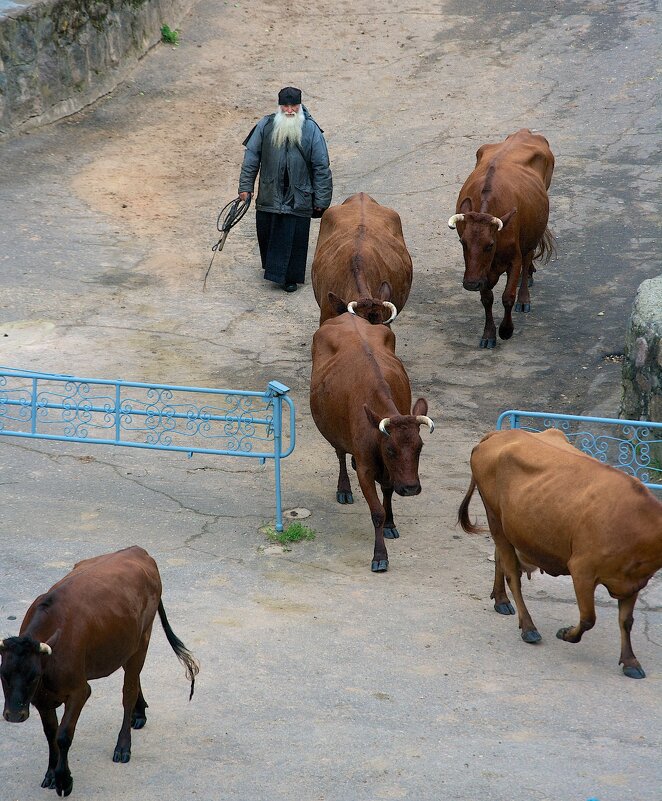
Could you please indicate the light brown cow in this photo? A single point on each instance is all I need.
(361, 257)
(360, 399)
(501, 218)
(556, 508)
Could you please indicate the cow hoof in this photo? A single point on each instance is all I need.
(344, 497)
(138, 721)
(391, 533)
(64, 785)
(49, 780)
(122, 755)
(562, 634)
(532, 636)
(522, 307)
(488, 343)
(505, 608)
(634, 672)
(379, 565)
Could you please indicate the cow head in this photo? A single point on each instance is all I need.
(374, 310)
(22, 665)
(478, 236)
(400, 445)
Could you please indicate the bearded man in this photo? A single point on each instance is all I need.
(289, 151)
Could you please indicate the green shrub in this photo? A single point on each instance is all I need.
(169, 36)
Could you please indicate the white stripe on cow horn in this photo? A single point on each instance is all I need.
(455, 219)
(44, 648)
(383, 425)
(394, 311)
(422, 420)
(498, 223)
(351, 307)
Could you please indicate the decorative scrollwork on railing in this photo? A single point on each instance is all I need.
(75, 411)
(630, 448)
(138, 414)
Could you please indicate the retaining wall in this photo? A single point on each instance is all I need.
(57, 56)
(642, 361)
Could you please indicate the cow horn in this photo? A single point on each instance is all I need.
(423, 420)
(2, 645)
(383, 425)
(455, 219)
(498, 223)
(351, 307)
(44, 648)
(394, 311)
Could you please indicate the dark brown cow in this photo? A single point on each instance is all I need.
(360, 400)
(553, 507)
(97, 619)
(361, 257)
(501, 218)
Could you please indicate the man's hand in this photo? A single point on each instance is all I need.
(244, 196)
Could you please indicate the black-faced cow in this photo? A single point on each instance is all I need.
(97, 619)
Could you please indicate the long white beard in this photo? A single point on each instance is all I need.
(287, 128)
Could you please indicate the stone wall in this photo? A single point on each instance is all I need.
(57, 56)
(642, 362)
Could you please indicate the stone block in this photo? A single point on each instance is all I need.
(642, 361)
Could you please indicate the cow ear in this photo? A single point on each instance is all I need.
(338, 305)
(465, 206)
(420, 407)
(372, 417)
(507, 217)
(384, 291)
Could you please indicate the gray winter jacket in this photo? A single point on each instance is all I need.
(310, 182)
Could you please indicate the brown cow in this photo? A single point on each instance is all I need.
(361, 256)
(501, 219)
(97, 619)
(558, 509)
(360, 399)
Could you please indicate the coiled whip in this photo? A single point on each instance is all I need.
(233, 211)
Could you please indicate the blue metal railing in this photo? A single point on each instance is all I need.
(166, 417)
(634, 446)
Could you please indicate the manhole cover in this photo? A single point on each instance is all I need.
(296, 514)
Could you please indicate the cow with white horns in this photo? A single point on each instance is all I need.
(502, 212)
(360, 399)
(361, 262)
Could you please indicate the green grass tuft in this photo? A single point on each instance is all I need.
(169, 36)
(295, 532)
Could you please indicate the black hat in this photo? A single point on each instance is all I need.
(289, 96)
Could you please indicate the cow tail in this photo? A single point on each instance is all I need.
(183, 654)
(546, 247)
(463, 511)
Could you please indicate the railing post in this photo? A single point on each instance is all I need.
(118, 402)
(33, 405)
(276, 390)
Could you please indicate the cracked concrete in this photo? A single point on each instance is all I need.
(320, 680)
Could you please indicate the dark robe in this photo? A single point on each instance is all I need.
(283, 240)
